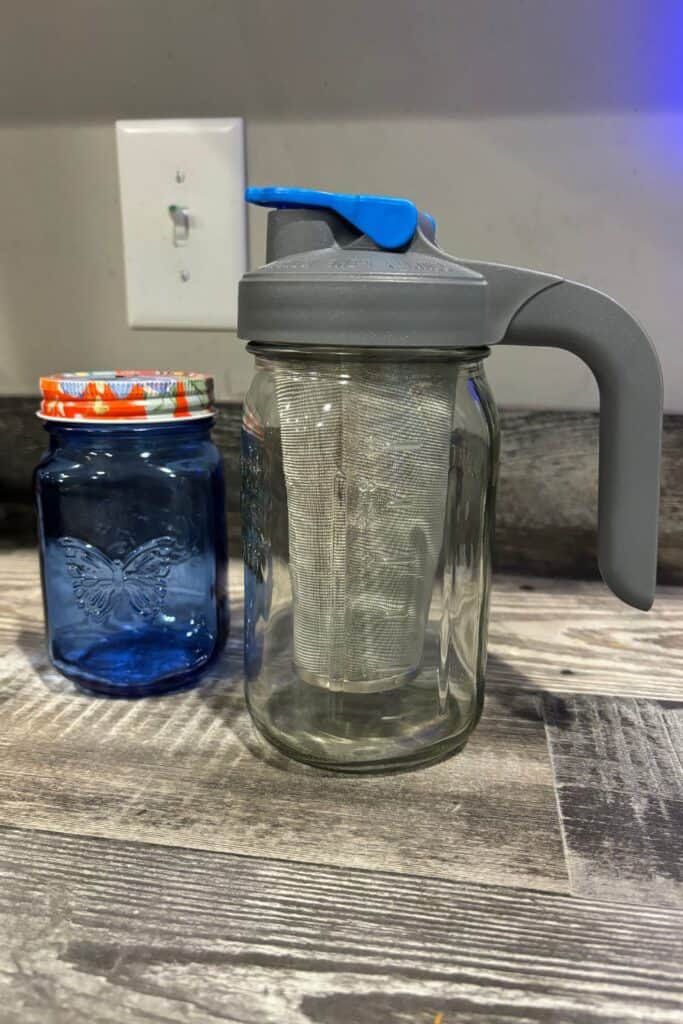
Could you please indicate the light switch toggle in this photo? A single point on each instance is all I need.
(180, 215)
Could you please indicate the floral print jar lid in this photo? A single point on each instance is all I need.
(126, 396)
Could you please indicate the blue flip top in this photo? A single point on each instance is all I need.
(388, 221)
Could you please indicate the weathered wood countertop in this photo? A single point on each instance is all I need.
(158, 863)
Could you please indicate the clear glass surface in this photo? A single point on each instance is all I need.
(368, 489)
(133, 554)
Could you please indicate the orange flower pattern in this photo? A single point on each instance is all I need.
(126, 395)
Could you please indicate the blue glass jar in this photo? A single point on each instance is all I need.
(132, 531)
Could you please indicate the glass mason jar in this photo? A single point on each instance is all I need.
(368, 489)
(132, 534)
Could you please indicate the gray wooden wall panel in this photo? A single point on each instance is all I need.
(547, 503)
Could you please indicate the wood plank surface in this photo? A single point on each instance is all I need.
(564, 636)
(111, 920)
(188, 770)
(619, 782)
(94, 931)
(571, 636)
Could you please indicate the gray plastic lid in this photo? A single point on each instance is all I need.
(326, 282)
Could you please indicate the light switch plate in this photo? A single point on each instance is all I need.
(184, 220)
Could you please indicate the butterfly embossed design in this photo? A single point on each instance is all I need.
(100, 582)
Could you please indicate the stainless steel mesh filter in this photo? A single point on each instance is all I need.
(365, 449)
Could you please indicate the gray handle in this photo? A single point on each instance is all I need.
(535, 309)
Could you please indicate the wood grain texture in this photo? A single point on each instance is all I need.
(547, 501)
(24, 441)
(619, 782)
(188, 770)
(94, 931)
(570, 636)
(564, 636)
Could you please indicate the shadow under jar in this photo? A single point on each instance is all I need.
(368, 486)
(132, 533)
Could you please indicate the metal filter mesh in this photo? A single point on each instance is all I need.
(365, 448)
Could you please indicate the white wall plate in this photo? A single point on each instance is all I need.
(184, 220)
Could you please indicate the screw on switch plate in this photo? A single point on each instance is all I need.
(184, 220)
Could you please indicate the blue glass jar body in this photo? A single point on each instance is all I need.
(133, 553)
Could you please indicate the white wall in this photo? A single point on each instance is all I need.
(541, 134)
